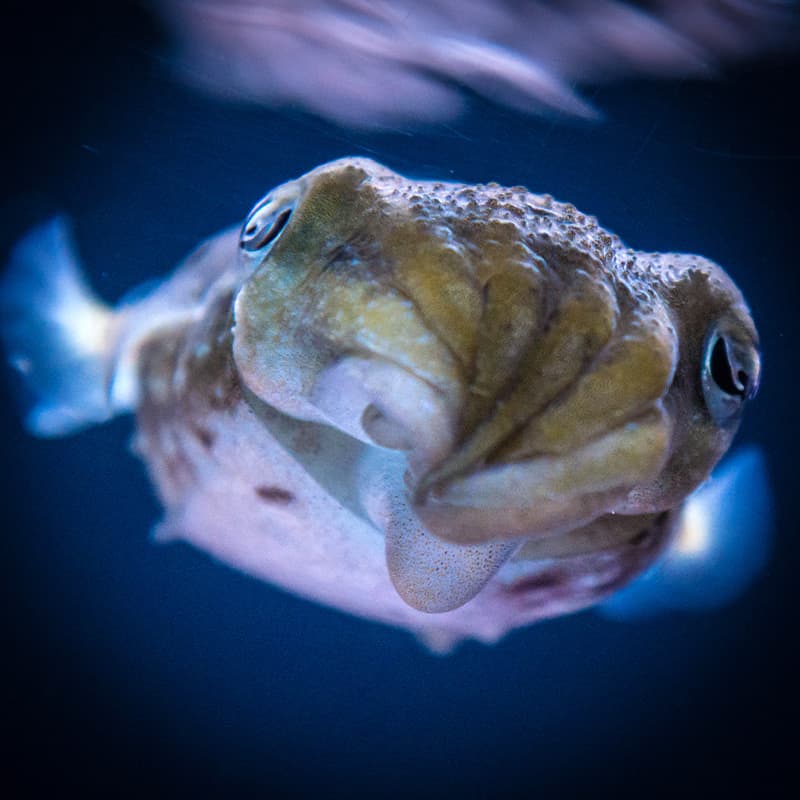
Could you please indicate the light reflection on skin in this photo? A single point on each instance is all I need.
(377, 64)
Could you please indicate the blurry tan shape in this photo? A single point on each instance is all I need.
(375, 64)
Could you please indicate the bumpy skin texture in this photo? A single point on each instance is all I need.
(479, 379)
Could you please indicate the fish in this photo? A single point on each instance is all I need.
(455, 409)
(407, 62)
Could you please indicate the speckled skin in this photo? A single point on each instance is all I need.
(454, 408)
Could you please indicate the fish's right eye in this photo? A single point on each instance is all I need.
(729, 376)
(264, 225)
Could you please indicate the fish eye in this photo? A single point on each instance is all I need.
(264, 225)
(730, 375)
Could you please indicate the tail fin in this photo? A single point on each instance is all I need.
(56, 333)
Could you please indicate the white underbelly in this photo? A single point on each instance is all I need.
(257, 508)
(258, 501)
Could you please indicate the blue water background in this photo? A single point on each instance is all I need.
(130, 663)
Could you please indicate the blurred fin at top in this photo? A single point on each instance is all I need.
(379, 63)
(722, 544)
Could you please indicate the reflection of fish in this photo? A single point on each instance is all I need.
(371, 64)
(400, 397)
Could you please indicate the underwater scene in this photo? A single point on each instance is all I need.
(398, 397)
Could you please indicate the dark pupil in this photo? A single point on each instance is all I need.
(268, 234)
(722, 371)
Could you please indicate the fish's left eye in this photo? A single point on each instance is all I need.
(264, 225)
(730, 375)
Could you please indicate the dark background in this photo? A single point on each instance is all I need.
(133, 665)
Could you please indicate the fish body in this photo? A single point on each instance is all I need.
(456, 409)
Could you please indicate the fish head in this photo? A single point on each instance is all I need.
(535, 373)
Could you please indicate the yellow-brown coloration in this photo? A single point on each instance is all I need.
(551, 346)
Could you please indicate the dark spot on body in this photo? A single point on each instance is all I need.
(544, 580)
(274, 494)
(204, 436)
